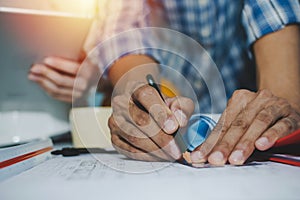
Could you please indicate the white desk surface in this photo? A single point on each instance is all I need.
(112, 176)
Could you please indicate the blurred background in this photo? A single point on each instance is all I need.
(26, 110)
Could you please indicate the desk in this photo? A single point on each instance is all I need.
(112, 176)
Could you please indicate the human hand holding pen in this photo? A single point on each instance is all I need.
(147, 133)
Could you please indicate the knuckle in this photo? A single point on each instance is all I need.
(141, 119)
(185, 102)
(144, 92)
(247, 143)
(289, 123)
(43, 69)
(220, 129)
(285, 105)
(133, 140)
(240, 96)
(224, 144)
(206, 148)
(189, 101)
(265, 93)
(111, 122)
(133, 153)
(275, 131)
(160, 115)
(164, 140)
(114, 139)
(58, 81)
(283, 102)
(272, 110)
(265, 117)
(240, 123)
(240, 93)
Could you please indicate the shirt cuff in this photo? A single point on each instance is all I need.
(261, 17)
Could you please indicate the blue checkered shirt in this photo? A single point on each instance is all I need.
(226, 29)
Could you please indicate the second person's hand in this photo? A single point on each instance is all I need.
(57, 77)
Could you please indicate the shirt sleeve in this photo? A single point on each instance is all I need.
(120, 32)
(261, 17)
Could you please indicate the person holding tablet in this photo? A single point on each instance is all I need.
(56, 75)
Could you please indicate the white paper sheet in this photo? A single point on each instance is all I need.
(112, 176)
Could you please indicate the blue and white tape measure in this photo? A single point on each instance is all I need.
(199, 129)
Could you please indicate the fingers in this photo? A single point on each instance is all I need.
(60, 93)
(274, 110)
(130, 151)
(63, 65)
(52, 75)
(282, 128)
(259, 123)
(150, 99)
(57, 82)
(140, 130)
(182, 108)
(133, 136)
(237, 129)
(238, 101)
(141, 118)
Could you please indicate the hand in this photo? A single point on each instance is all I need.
(251, 120)
(57, 77)
(146, 134)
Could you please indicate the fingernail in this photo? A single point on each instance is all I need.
(174, 150)
(197, 157)
(263, 142)
(237, 157)
(216, 157)
(31, 77)
(170, 126)
(36, 70)
(198, 165)
(180, 116)
(48, 61)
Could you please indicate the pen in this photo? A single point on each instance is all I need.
(178, 137)
(70, 151)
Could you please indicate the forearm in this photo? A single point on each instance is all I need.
(141, 64)
(278, 64)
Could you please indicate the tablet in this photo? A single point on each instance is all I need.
(26, 37)
(34, 34)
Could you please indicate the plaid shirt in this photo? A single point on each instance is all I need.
(226, 30)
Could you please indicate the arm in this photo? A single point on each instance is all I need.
(278, 64)
(257, 120)
(127, 63)
(144, 134)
